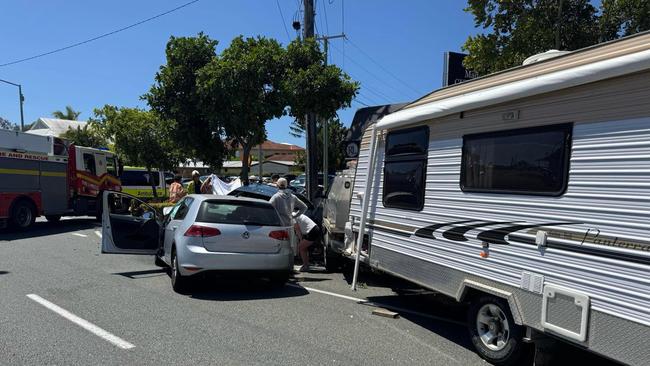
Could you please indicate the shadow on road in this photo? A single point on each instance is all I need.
(230, 288)
(44, 228)
(143, 274)
(4, 272)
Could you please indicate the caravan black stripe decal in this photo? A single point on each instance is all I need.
(427, 231)
(497, 236)
(458, 233)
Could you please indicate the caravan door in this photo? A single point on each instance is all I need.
(129, 225)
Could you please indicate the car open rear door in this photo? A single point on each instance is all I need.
(129, 225)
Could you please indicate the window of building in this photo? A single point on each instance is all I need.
(89, 163)
(405, 168)
(523, 161)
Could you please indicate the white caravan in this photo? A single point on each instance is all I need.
(525, 193)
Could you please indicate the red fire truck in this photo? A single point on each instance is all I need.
(45, 175)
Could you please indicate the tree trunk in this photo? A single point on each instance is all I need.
(246, 153)
(153, 183)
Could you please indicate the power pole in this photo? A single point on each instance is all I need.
(326, 124)
(21, 99)
(311, 170)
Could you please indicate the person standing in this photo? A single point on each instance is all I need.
(176, 190)
(274, 180)
(286, 203)
(308, 233)
(194, 187)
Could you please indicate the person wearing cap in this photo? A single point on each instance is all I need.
(194, 187)
(286, 203)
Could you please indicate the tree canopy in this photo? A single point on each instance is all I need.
(174, 96)
(69, 113)
(517, 29)
(241, 90)
(140, 137)
(90, 136)
(6, 125)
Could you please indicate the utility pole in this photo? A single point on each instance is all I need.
(311, 170)
(260, 160)
(21, 99)
(558, 24)
(326, 124)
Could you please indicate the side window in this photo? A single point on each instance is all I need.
(532, 161)
(89, 163)
(183, 209)
(405, 168)
(111, 166)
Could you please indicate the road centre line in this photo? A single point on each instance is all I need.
(80, 235)
(92, 328)
(379, 305)
(98, 233)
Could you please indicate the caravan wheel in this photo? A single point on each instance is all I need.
(494, 333)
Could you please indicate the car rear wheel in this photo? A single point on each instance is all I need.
(179, 282)
(333, 261)
(23, 214)
(494, 333)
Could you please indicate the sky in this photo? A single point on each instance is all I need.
(394, 48)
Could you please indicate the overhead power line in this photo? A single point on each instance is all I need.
(383, 68)
(284, 23)
(100, 36)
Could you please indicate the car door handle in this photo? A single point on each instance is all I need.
(174, 228)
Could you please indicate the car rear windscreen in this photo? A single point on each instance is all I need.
(238, 212)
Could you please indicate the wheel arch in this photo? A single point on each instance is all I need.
(472, 290)
(24, 198)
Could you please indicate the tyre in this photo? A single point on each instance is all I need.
(53, 218)
(180, 283)
(23, 214)
(493, 331)
(333, 261)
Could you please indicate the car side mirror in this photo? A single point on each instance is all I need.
(148, 215)
(167, 210)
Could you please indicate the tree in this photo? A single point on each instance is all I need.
(335, 148)
(6, 125)
(518, 29)
(140, 138)
(69, 113)
(89, 135)
(174, 97)
(623, 18)
(311, 86)
(241, 90)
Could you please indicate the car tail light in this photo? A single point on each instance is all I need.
(202, 231)
(279, 234)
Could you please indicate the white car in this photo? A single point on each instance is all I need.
(201, 233)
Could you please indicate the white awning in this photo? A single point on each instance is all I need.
(554, 81)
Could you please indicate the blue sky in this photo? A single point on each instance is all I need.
(407, 38)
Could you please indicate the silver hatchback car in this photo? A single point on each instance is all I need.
(200, 233)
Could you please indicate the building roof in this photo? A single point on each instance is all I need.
(280, 157)
(271, 145)
(54, 126)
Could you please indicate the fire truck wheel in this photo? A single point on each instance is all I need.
(53, 218)
(23, 214)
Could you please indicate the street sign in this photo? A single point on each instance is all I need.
(352, 150)
(454, 72)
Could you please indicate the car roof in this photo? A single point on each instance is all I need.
(213, 197)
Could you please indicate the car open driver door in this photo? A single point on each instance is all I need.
(129, 225)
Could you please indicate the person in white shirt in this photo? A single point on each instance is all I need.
(285, 203)
(308, 233)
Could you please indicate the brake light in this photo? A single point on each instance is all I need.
(279, 234)
(202, 231)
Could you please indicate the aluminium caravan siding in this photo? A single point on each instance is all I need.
(608, 190)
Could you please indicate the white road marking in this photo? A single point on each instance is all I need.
(380, 305)
(98, 233)
(80, 235)
(92, 328)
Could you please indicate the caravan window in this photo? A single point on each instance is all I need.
(524, 161)
(405, 168)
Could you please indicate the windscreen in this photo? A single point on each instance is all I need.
(238, 213)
